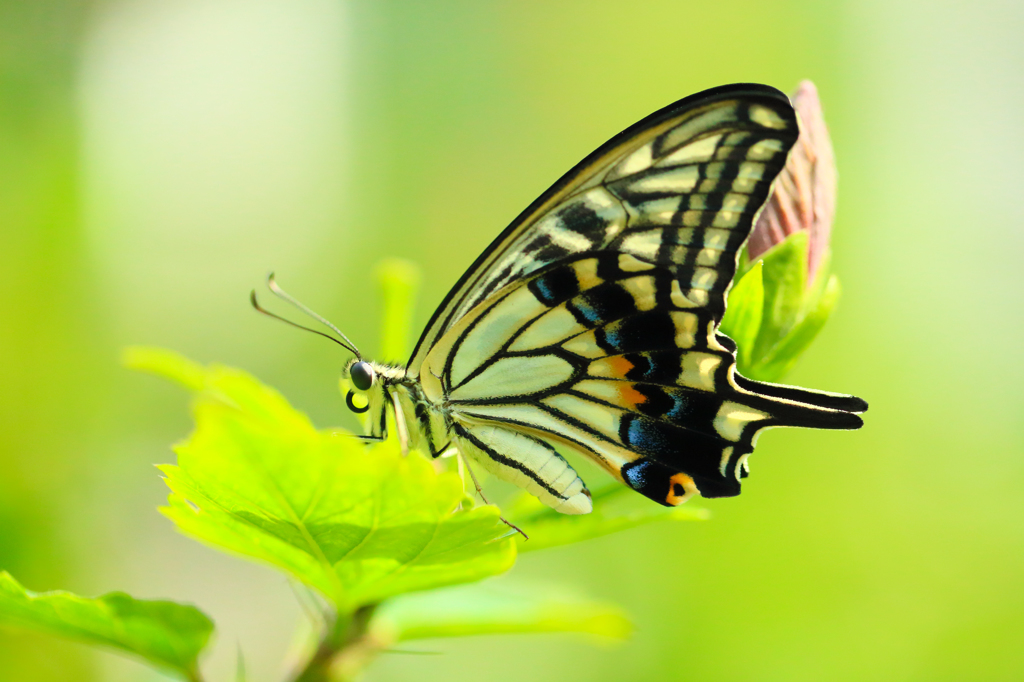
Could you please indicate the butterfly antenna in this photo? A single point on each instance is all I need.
(276, 289)
(260, 309)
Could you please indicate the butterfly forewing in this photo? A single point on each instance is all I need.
(679, 188)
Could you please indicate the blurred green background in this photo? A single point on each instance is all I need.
(157, 159)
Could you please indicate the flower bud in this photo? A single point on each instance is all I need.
(804, 196)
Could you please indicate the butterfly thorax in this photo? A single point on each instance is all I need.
(421, 423)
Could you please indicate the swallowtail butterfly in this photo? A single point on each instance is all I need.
(591, 322)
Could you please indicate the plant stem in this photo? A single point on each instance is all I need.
(344, 649)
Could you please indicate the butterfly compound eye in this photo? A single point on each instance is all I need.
(362, 375)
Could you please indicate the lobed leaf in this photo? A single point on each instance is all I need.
(359, 524)
(166, 634)
(492, 609)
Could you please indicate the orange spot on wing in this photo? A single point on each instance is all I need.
(619, 365)
(678, 481)
(630, 396)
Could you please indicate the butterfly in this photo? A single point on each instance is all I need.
(591, 322)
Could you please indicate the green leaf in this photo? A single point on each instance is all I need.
(780, 359)
(492, 609)
(785, 281)
(744, 312)
(166, 634)
(167, 364)
(547, 528)
(793, 313)
(822, 278)
(360, 524)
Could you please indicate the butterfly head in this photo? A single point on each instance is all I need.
(370, 382)
(363, 377)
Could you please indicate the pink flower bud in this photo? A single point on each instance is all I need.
(804, 196)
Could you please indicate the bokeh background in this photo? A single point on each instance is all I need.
(158, 158)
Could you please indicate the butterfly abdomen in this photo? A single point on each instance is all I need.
(528, 462)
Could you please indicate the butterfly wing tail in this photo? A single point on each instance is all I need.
(792, 406)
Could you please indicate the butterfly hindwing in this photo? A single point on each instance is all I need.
(608, 367)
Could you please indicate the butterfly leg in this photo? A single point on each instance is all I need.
(464, 461)
(402, 428)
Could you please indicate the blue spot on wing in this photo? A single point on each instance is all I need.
(645, 331)
(644, 435)
(682, 449)
(545, 290)
(555, 286)
(588, 311)
(636, 476)
(694, 410)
